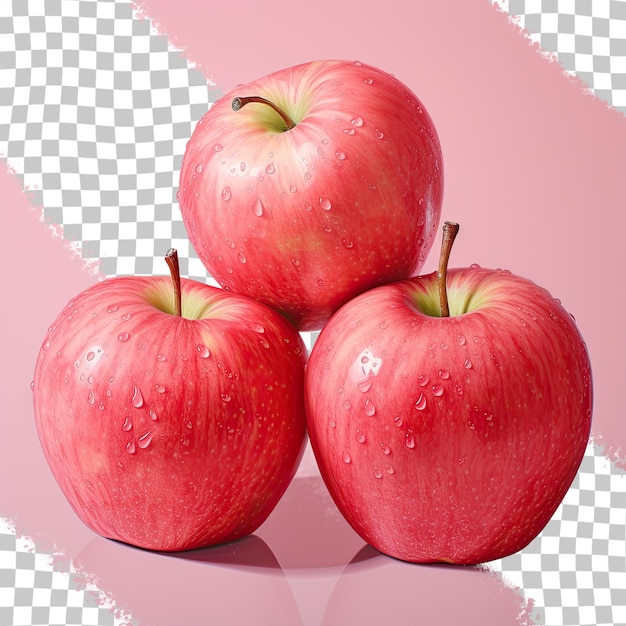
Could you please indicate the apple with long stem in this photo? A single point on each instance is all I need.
(311, 185)
(449, 413)
(170, 412)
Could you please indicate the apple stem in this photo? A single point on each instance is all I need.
(238, 103)
(450, 231)
(171, 258)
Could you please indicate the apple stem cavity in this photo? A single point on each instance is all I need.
(171, 258)
(239, 103)
(450, 231)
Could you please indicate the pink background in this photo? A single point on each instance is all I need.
(534, 171)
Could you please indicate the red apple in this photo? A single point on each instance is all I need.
(164, 430)
(325, 181)
(449, 438)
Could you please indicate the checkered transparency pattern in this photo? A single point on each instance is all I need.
(95, 113)
(587, 38)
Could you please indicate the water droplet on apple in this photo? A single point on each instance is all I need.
(390, 470)
(130, 447)
(420, 403)
(444, 374)
(368, 81)
(379, 134)
(32, 385)
(378, 473)
(332, 423)
(264, 343)
(357, 122)
(112, 308)
(347, 405)
(365, 385)
(398, 421)
(153, 414)
(199, 168)
(161, 358)
(137, 400)
(479, 341)
(386, 449)
(346, 457)
(226, 397)
(123, 337)
(475, 266)
(360, 436)
(257, 207)
(203, 351)
(349, 131)
(423, 380)
(271, 168)
(295, 262)
(460, 339)
(91, 399)
(370, 409)
(409, 441)
(160, 388)
(340, 155)
(101, 406)
(325, 204)
(144, 441)
(242, 257)
(467, 364)
(347, 244)
(226, 194)
(437, 390)
(358, 63)
(471, 425)
(126, 316)
(91, 355)
(218, 147)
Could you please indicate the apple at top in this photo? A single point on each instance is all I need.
(311, 185)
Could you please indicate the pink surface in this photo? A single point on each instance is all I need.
(535, 175)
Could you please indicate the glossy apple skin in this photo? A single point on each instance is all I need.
(305, 219)
(449, 439)
(166, 432)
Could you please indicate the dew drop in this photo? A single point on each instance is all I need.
(90, 356)
(112, 308)
(226, 194)
(242, 257)
(423, 380)
(368, 81)
(332, 423)
(199, 168)
(370, 409)
(347, 405)
(378, 473)
(365, 385)
(257, 207)
(340, 155)
(153, 414)
(379, 134)
(203, 352)
(360, 436)
(137, 400)
(91, 399)
(479, 341)
(475, 266)
(346, 457)
(349, 131)
(161, 358)
(420, 403)
(126, 316)
(445, 374)
(325, 204)
(357, 122)
(130, 447)
(386, 449)
(226, 397)
(398, 420)
(460, 339)
(437, 390)
(101, 406)
(144, 441)
(123, 337)
(410, 440)
(271, 168)
(218, 147)
(258, 328)
(467, 364)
